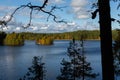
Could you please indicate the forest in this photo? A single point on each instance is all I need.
(11, 39)
(47, 38)
(89, 35)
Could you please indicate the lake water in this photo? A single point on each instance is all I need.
(14, 61)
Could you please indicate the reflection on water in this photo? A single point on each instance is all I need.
(14, 61)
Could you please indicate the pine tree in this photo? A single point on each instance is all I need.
(36, 71)
(116, 54)
(66, 71)
(77, 67)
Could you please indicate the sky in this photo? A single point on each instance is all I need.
(75, 12)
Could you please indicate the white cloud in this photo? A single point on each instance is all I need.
(58, 1)
(7, 18)
(17, 28)
(5, 28)
(6, 8)
(43, 27)
(52, 1)
(71, 23)
(89, 25)
(79, 8)
(79, 3)
(50, 28)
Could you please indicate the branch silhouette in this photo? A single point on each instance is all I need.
(35, 8)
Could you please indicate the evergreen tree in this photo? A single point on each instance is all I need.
(66, 71)
(117, 64)
(36, 71)
(116, 54)
(77, 67)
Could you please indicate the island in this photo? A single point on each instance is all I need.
(45, 41)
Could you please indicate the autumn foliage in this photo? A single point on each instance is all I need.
(14, 39)
(45, 41)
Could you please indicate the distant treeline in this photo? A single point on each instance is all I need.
(88, 35)
(67, 35)
(46, 38)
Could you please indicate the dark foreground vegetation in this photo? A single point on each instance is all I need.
(36, 71)
(76, 68)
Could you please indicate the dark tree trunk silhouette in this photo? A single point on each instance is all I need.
(106, 40)
(2, 37)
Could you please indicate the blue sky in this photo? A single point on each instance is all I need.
(75, 13)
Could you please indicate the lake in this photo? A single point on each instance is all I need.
(14, 61)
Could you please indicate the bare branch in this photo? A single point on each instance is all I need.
(30, 20)
(35, 8)
(4, 23)
(118, 6)
(54, 17)
(95, 13)
(113, 19)
(119, 15)
(118, 21)
(44, 4)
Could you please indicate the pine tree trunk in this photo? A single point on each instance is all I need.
(106, 40)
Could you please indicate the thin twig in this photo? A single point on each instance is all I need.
(37, 8)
